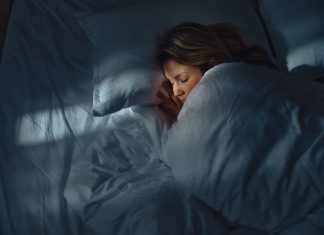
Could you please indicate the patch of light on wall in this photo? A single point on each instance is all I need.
(51, 125)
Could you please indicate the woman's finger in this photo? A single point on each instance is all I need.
(169, 111)
(177, 101)
(168, 87)
(163, 97)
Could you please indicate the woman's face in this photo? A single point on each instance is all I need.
(182, 77)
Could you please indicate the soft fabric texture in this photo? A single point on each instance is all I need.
(119, 186)
(249, 142)
(124, 41)
(296, 32)
(47, 127)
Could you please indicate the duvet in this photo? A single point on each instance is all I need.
(249, 143)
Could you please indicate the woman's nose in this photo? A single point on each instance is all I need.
(177, 91)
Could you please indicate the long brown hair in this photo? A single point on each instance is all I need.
(205, 46)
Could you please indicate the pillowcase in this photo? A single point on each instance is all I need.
(296, 32)
(124, 41)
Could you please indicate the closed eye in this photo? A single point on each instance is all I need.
(184, 80)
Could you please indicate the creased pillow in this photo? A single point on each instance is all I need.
(124, 41)
(296, 30)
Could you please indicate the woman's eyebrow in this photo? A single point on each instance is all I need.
(178, 76)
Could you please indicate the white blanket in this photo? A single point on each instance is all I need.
(249, 142)
(119, 186)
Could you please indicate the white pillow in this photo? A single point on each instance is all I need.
(296, 30)
(124, 40)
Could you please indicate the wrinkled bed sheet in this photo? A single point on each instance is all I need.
(64, 171)
(119, 186)
(45, 118)
(47, 130)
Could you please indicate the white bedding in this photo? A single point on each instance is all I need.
(249, 142)
(45, 118)
(64, 171)
(119, 186)
(46, 126)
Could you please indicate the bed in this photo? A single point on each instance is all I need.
(86, 150)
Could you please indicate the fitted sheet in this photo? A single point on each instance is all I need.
(45, 107)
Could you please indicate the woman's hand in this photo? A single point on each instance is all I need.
(170, 103)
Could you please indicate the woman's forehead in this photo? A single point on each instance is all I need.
(173, 69)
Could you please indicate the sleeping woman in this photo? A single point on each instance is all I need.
(249, 140)
(186, 51)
